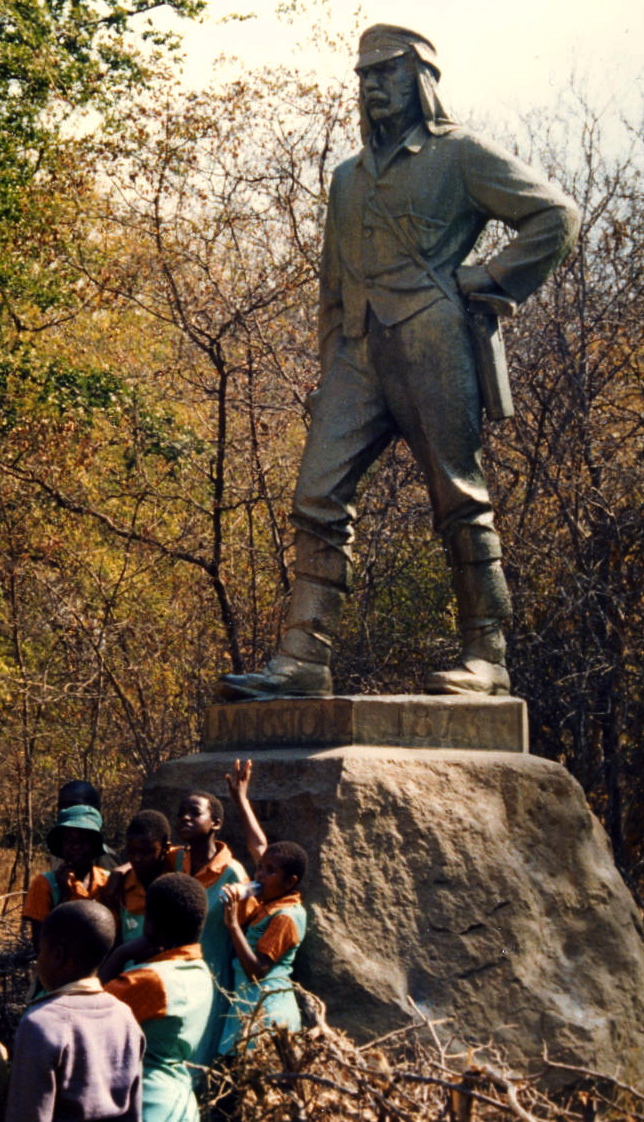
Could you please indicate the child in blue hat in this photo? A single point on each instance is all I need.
(78, 840)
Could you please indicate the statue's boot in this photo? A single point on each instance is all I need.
(484, 605)
(283, 676)
(301, 666)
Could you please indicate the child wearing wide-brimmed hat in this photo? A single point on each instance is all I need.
(78, 840)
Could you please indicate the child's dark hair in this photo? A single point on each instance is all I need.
(77, 792)
(150, 824)
(177, 906)
(85, 928)
(216, 808)
(291, 858)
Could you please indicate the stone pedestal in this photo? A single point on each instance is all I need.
(421, 721)
(477, 883)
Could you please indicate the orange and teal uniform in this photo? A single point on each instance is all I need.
(275, 929)
(215, 940)
(171, 998)
(129, 904)
(45, 894)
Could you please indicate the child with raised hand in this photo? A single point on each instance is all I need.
(78, 840)
(149, 853)
(266, 932)
(211, 863)
(78, 1050)
(238, 784)
(170, 993)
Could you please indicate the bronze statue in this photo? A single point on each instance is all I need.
(397, 355)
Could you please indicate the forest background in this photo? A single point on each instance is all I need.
(158, 283)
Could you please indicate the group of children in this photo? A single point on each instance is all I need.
(146, 973)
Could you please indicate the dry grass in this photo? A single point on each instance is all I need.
(16, 967)
(10, 902)
(16, 953)
(12, 896)
(412, 1075)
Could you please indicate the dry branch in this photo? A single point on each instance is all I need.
(409, 1075)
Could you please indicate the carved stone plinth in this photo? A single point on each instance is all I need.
(409, 721)
(476, 883)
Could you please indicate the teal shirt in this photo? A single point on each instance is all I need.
(278, 999)
(133, 893)
(171, 997)
(215, 942)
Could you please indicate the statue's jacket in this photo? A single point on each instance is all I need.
(435, 194)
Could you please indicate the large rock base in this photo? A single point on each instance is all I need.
(477, 883)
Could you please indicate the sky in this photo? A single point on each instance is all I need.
(498, 57)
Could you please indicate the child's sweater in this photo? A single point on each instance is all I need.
(77, 1055)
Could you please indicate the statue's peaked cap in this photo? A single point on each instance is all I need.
(384, 41)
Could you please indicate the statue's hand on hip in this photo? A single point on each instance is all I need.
(475, 278)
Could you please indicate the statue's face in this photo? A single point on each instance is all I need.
(389, 89)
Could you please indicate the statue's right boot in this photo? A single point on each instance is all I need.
(283, 676)
(301, 666)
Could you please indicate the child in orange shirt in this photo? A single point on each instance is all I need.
(210, 861)
(266, 933)
(76, 838)
(170, 992)
(147, 844)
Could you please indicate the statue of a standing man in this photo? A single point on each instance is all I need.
(397, 356)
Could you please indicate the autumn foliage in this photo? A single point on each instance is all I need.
(157, 313)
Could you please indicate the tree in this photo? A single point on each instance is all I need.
(58, 61)
(570, 486)
(214, 246)
(152, 436)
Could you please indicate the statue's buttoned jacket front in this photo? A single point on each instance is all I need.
(439, 191)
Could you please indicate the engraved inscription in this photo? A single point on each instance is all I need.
(280, 723)
(332, 722)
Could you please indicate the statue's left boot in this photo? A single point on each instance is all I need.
(481, 667)
(484, 605)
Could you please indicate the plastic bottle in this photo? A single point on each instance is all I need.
(253, 888)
